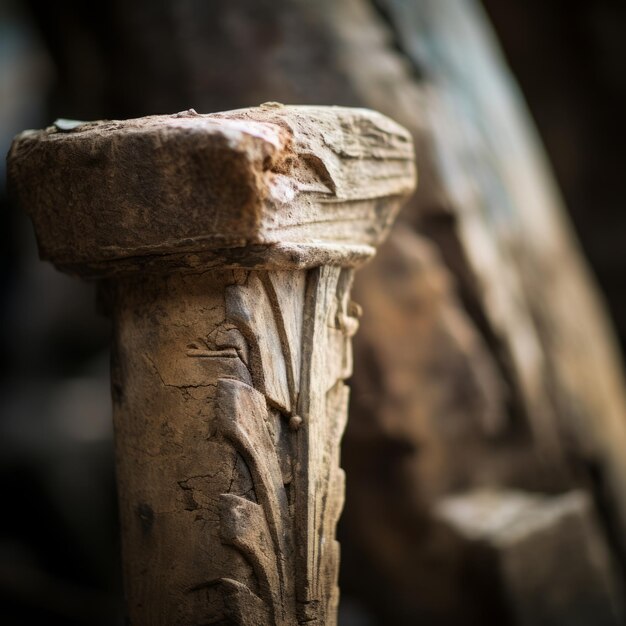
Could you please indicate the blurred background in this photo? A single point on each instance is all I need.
(460, 435)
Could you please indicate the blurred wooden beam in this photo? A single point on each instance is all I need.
(546, 556)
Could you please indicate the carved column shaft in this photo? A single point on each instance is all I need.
(226, 245)
(229, 405)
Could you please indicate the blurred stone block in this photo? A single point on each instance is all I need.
(550, 563)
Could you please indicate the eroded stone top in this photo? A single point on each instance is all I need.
(267, 186)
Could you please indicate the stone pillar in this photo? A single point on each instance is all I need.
(225, 246)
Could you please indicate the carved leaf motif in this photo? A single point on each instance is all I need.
(251, 310)
(262, 532)
(297, 327)
(243, 607)
(243, 525)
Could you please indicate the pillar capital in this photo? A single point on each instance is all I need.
(271, 187)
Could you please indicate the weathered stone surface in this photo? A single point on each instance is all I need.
(193, 190)
(228, 384)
